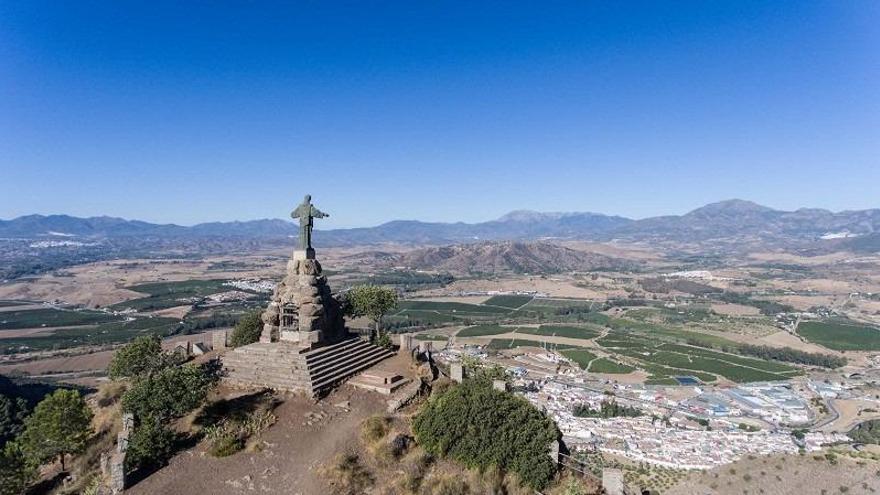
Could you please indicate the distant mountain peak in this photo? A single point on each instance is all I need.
(537, 216)
(731, 206)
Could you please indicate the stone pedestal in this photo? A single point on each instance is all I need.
(302, 309)
(303, 254)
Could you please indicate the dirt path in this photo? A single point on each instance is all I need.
(290, 461)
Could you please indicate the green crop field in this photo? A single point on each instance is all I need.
(511, 301)
(841, 336)
(769, 366)
(423, 316)
(498, 344)
(185, 287)
(164, 295)
(452, 307)
(605, 365)
(483, 330)
(580, 356)
(428, 337)
(561, 331)
(106, 333)
(540, 302)
(697, 363)
(51, 317)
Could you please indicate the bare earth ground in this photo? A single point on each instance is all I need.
(785, 339)
(852, 413)
(788, 475)
(289, 462)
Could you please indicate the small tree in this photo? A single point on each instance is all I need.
(141, 357)
(59, 425)
(371, 301)
(247, 330)
(12, 413)
(16, 473)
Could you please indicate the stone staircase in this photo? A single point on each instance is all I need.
(284, 366)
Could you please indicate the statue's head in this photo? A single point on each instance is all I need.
(308, 198)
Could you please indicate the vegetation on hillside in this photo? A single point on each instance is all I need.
(867, 432)
(60, 425)
(247, 330)
(481, 427)
(160, 390)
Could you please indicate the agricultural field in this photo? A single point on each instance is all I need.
(456, 308)
(500, 344)
(561, 331)
(164, 295)
(508, 301)
(664, 360)
(484, 330)
(582, 357)
(52, 317)
(91, 335)
(605, 365)
(841, 336)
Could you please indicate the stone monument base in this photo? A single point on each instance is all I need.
(286, 366)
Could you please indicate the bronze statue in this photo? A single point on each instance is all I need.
(306, 213)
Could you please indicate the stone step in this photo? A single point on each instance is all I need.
(340, 355)
(328, 348)
(343, 362)
(352, 368)
(337, 350)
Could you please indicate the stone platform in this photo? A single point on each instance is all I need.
(285, 366)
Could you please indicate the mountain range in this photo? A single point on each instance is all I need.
(726, 223)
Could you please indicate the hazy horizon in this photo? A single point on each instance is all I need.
(450, 112)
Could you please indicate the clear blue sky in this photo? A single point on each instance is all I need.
(176, 112)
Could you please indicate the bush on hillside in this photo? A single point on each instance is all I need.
(168, 394)
(481, 427)
(141, 357)
(247, 330)
(151, 445)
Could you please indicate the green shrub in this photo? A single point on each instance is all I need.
(247, 330)
(170, 393)
(141, 357)
(151, 445)
(481, 427)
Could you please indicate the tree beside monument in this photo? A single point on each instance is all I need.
(374, 302)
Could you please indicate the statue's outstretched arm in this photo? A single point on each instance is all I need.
(296, 213)
(318, 213)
